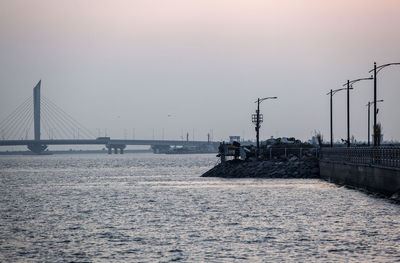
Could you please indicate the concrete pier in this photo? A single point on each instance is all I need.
(376, 179)
(116, 147)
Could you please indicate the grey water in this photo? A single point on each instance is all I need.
(157, 208)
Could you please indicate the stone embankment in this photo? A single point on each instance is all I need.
(306, 167)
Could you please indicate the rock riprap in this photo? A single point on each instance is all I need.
(292, 168)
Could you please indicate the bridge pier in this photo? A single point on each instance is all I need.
(121, 148)
(160, 148)
(37, 148)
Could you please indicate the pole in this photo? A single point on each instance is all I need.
(348, 113)
(369, 124)
(375, 139)
(331, 121)
(258, 127)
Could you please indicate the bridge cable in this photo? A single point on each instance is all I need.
(71, 119)
(15, 121)
(9, 121)
(30, 125)
(43, 120)
(27, 128)
(19, 129)
(20, 126)
(64, 129)
(45, 123)
(46, 128)
(67, 122)
(14, 116)
(14, 112)
(60, 119)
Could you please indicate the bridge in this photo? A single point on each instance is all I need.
(18, 125)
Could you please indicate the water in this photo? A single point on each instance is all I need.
(156, 208)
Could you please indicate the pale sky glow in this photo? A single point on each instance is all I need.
(129, 64)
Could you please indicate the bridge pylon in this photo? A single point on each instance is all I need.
(36, 147)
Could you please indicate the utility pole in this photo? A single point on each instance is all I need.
(376, 70)
(348, 113)
(331, 93)
(331, 119)
(369, 124)
(349, 86)
(258, 127)
(374, 129)
(257, 119)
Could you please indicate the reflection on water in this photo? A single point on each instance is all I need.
(156, 208)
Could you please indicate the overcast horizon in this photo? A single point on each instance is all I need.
(178, 66)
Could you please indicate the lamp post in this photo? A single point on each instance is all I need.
(369, 125)
(331, 93)
(257, 119)
(349, 85)
(376, 70)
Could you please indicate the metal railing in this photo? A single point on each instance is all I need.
(286, 152)
(380, 156)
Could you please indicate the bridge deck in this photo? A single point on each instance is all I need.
(103, 142)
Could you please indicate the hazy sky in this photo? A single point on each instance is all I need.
(124, 64)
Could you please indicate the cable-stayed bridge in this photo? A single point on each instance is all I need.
(38, 115)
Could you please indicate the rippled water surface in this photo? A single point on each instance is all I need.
(156, 208)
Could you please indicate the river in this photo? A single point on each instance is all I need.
(157, 208)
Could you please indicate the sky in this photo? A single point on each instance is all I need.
(161, 68)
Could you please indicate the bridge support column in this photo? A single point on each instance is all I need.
(37, 148)
(115, 147)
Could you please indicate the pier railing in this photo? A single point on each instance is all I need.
(272, 152)
(380, 156)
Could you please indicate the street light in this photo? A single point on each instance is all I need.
(333, 92)
(257, 119)
(376, 70)
(350, 84)
(369, 125)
